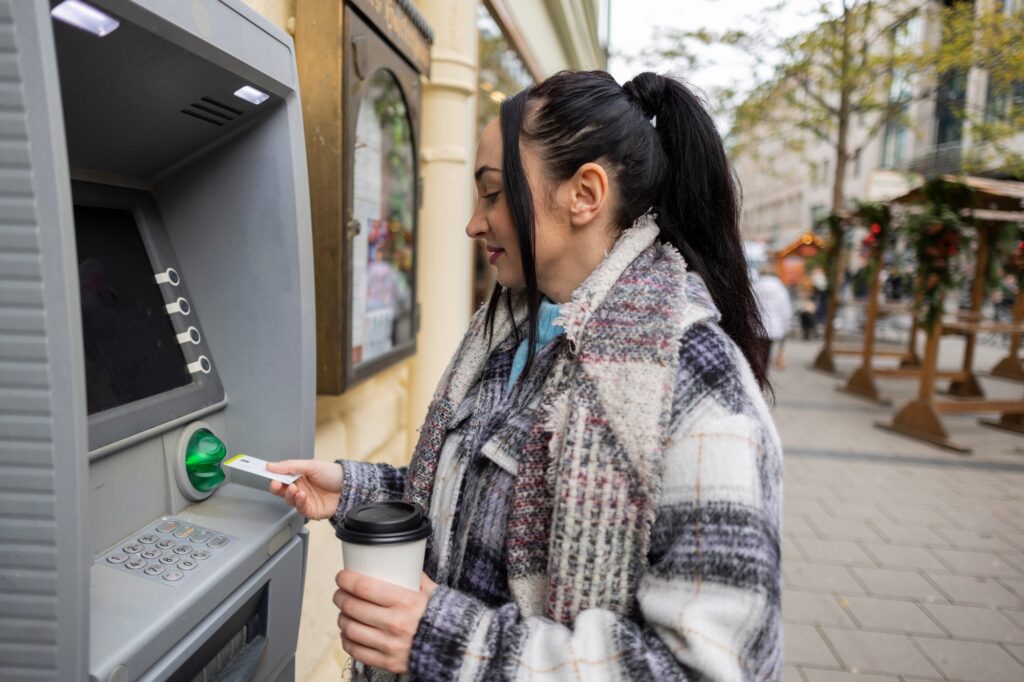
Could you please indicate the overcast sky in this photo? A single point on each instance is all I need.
(633, 23)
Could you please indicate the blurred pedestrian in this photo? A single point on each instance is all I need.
(776, 312)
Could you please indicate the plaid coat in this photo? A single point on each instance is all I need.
(616, 515)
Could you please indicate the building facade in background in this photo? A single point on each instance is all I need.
(391, 182)
(786, 193)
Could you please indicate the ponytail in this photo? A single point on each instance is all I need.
(698, 208)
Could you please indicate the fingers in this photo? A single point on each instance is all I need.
(373, 590)
(370, 657)
(362, 634)
(294, 466)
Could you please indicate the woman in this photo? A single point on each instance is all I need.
(602, 474)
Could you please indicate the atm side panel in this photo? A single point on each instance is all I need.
(44, 539)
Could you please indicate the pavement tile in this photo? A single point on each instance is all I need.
(855, 512)
(804, 644)
(976, 539)
(819, 675)
(971, 661)
(790, 673)
(1014, 558)
(985, 522)
(1016, 615)
(976, 622)
(968, 589)
(916, 516)
(843, 529)
(879, 652)
(815, 608)
(1016, 650)
(1015, 584)
(902, 534)
(821, 577)
(891, 556)
(796, 526)
(1016, 539)
(873, 613)
(834, 551)
(885, 582)
(967, 562)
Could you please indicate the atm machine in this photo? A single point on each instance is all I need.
(156, 315)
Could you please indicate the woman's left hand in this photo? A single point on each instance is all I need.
(379, 619)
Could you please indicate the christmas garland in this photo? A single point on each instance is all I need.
(938, 238)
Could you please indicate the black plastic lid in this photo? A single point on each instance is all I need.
(384, 523)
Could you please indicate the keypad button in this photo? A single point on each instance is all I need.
(200, 555)
(155, 569)
(151, 553)
(184, 532)
(147, 539)
(165, 543)
(172, 576)
(167, 526)
(187, 564)
(118, 558)
(168, 559)
(201, 537)
(132, 548)
(182, 549)
(136, 563)
(218, 541)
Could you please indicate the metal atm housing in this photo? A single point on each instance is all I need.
(155, 281)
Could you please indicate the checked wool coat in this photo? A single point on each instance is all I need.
(613, 516)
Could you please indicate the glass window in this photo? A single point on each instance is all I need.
(384, 210)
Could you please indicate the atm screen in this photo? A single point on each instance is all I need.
(131, 349)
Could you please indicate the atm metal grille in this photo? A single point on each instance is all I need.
(211, 111)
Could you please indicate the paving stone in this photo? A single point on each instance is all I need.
(976, 539)
(1015, 584)
(804, 644)
(843, 529)
(971, 661)
(902, 534)
(1016, 615)
(796, 526)
(1016, 539)
(967, 562)
(819, 675)
(790, 673)
(885, 582)
(917, 516)
(967, 589)
(821, 577)
(834, 552)
(1016, 650)
(873, 613)
(976, 622)
(816, 608)
(855, 512)
(892, 556)
(879, 652)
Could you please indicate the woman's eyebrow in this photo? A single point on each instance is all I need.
(484, 169)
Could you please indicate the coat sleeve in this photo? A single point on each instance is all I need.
(368, 482)
(707, 607)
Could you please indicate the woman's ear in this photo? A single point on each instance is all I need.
(588, 194)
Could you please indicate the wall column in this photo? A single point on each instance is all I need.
(447, 152)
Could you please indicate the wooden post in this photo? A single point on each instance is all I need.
(825, 360)
(862, 381)
(912, 359)
(1010, 367)
(969, 387)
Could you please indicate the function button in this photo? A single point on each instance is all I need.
(135, 563)
(151, 553)
(184, 532)
(200, 555)
(201, 537)
(147, 539)
(155, 569)
(187, 564)
(218, 541)
(167, 526)
(182, 549)
(173, 576)
(168, 559)
(132, 548)
(118, 558)
(165, 543)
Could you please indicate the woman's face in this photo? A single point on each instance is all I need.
(570, 223)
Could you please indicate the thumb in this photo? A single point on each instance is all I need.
(292, 466)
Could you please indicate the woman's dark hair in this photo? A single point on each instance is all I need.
(660, 147)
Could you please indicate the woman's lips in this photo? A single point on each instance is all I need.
(495, 254)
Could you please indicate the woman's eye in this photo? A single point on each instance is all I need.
(492, 197)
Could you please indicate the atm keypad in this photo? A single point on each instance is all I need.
(168, 552)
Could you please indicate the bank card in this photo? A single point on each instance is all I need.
(255, 465)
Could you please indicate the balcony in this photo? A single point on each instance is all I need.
(941, 159)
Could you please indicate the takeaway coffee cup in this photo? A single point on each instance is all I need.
(386, 540)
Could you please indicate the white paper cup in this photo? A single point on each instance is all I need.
(386, 540)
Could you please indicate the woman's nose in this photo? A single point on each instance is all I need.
(476, 228)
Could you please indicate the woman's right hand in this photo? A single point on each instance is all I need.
(317, 493)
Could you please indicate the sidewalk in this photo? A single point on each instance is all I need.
(901, 561)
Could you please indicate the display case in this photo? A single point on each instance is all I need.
(363, 122)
